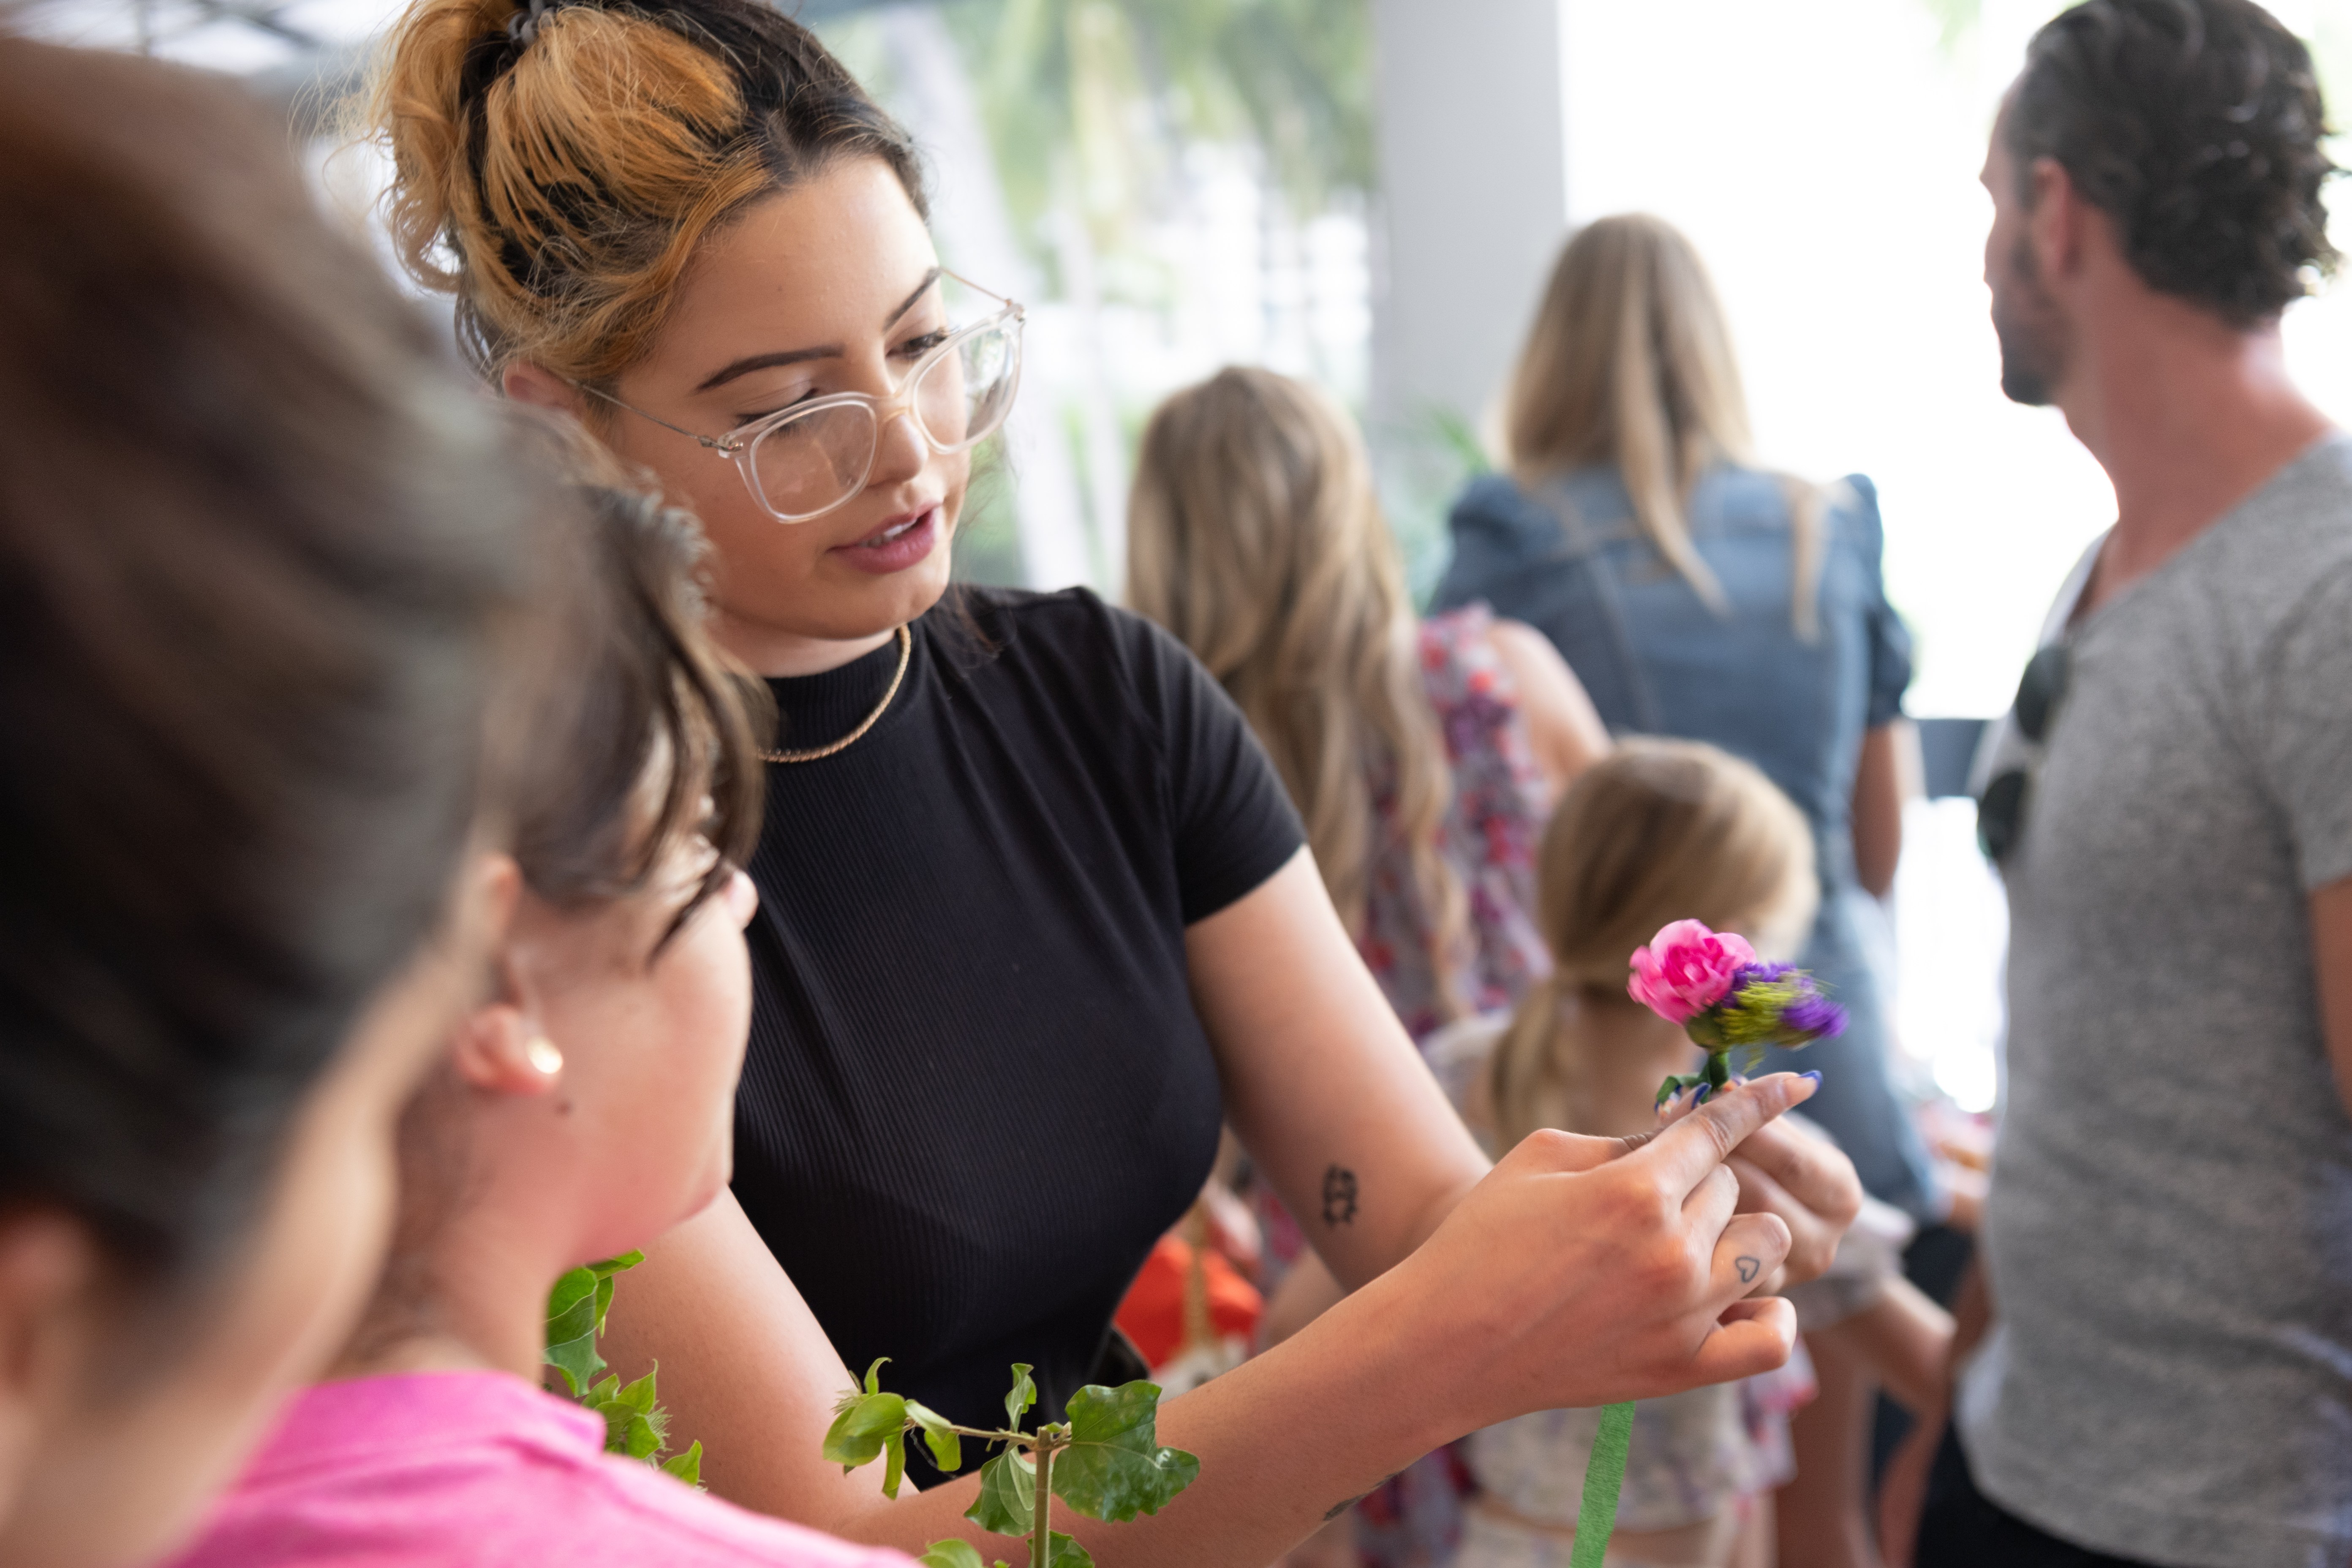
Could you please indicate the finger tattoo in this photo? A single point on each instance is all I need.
(1749, 1268)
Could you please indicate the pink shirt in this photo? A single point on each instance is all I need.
(459, 1469)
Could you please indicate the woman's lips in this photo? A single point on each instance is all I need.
(894, 546)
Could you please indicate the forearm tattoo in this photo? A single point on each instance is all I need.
(1339, 1199)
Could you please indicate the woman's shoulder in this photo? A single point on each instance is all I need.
(1070, 642)
(1739, 492)
(1498, 507)
(420, 1467)
(1045, 623)
(1501, 499)
(1468, 655)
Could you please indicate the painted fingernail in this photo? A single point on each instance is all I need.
(1698, 1096)
(1815, 1075)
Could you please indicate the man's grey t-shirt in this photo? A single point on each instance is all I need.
(2169, 1234)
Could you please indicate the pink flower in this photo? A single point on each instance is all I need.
(1686, 969)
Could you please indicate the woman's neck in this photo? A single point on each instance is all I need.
(771, 651)
(477, 1302)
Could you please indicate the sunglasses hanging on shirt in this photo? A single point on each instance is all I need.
(2001, 813)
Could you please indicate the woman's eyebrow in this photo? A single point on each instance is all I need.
(750, 362)
(769, 362)
(909, 302)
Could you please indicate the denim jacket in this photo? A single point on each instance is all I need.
(1569, 560)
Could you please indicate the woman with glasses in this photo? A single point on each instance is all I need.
(1034, 915)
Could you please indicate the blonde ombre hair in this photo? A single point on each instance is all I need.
(556, 167)
(1255, 537)
(1629, 362)
(1656, 831)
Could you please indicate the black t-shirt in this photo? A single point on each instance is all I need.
(977, 1092)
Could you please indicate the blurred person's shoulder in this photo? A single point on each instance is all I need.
(2283, 550)
(1735, 496)
(1498, 507)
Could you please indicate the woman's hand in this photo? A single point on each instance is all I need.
(1788, 1170)
(1583, 1271)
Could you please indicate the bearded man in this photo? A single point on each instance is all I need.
(2164, 1373)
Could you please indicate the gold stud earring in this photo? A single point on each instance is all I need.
(545, 1060)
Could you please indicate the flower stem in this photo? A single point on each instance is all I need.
(1041, 1537)
(1718, 1071)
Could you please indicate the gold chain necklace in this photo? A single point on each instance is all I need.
(906, 652)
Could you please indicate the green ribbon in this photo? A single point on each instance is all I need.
(1604, 1478)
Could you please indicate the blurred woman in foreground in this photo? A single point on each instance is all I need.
(584, 1107)
(254, 552)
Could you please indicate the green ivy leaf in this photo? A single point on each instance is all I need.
(865, 1425)
(946, 1449)
(639, 1437)
(894, 1465)
(1114, 1467)
(952, 1555)
(1024, 1395)
(574, 1287)
(686, 1466)
(572, 1315)
(1063, 1552)
(873, 1374)
(635, 1423)
(1008, 1495)
(639, 1395)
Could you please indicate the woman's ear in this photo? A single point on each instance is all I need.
(50, 1280)
(539, 387)
(500, 1046)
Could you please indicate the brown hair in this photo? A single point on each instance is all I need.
(557, 165)
(1255, 536)
(1629, 362)
(1654, 832)
(661, 740)
(256, 548)
(660, 718)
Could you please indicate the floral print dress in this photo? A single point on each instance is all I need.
(1488, 839)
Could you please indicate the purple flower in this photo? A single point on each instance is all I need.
(1813, 1015)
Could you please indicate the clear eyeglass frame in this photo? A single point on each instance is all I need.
(744, 446)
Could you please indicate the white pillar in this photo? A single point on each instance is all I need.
(1473, 199)
(968, 211)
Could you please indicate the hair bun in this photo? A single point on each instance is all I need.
(523, 26)
(557, 162)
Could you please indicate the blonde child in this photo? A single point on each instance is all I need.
(1658, 831)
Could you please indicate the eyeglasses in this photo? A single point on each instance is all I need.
(2000, 815)
(802, 461)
